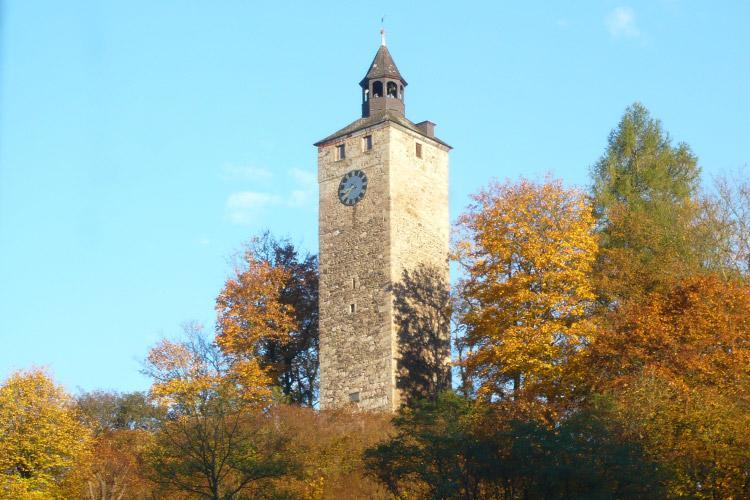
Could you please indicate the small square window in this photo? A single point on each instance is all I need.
(340, 152)
(419, 150)
(367, 143)
(354, 397)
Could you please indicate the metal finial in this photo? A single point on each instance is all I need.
(382, 31)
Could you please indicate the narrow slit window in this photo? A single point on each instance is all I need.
(419, 150)
(367, 143)
(340, 152)
(354, 283)
(352, 308)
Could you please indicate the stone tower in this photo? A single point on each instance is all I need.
(384, 233)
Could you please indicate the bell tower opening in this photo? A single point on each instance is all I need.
(392, 92)
(385, 85)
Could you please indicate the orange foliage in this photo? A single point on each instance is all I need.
(116, 466)
(698, 333)
(678, 367)
(250, 312)
(528, 251)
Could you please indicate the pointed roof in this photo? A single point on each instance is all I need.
(382, 67)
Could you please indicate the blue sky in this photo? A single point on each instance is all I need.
(142, 142)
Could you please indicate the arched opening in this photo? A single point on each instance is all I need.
(377, 89)
(392, 89)
(401, 93)
(365, 95)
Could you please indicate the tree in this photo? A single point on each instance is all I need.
(109, 411)
(434, 453)
(116, 469)
(456, 448)
(269, 311)
(123, 426)
(328, 446)
(652, 222)
(733, 213)
(43, 443)
(527, 250)
(698, 331)
(677, 366)
(210, 443)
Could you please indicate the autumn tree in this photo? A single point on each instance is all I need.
(732, 204)
(268, 311)
(677, 365)
(328, 446)
(652, 219)
(122, 426)
(109, 410)
(43, 442)
(210, 443)
(527, 250)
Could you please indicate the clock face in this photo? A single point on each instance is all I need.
(352, 187)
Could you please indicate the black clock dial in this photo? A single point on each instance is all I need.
(352, 187)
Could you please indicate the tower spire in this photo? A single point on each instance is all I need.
(383, 85)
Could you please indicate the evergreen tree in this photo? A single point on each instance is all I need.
(652, 221)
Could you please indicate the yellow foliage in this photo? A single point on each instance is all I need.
(187, 376)
(329, 446)
(528, 250)
(43, 443)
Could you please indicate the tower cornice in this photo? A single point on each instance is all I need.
(375, 120)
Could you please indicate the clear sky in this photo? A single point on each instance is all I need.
(141, 142)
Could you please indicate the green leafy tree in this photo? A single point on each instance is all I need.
(652, 222)
(109, 411)
(456, 448)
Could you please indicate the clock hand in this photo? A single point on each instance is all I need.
(346, 193)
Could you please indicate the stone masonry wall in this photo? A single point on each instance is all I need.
(355, 348)
(420, 228)
(401, 223)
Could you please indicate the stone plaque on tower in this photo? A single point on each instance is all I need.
(384, 235)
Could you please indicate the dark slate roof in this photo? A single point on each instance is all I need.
(376, 120)
(382, 67)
